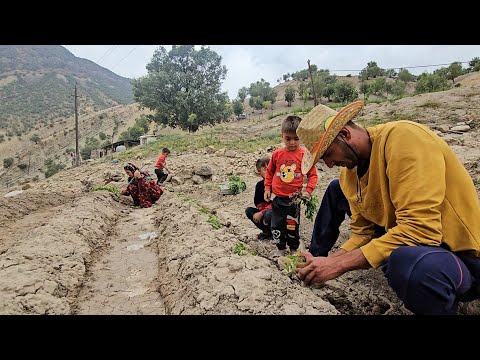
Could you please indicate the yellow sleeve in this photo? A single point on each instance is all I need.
(363, 231)
(415, 168)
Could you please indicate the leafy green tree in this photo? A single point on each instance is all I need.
(242, 93)
(391, 73)
(378, 86)
(364, 89)
(266, 104)
(2, 138)
(35, 138)
(289, 95)
(181, 82)
(305, 96)
(237, 107)
(102, 135)
(345, 92)
(431, 83)
(371, 71)
(91, 143)
(398, 88)
(474, 64)
(388, 88)
(227, 111)
(263, 90)
(256, 102)
(454, 70)
(53, 167)
(321, 80)
(405, 75)
(329, 91)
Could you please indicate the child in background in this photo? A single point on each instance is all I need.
(283, 179)
(261, 214)
(163, 173)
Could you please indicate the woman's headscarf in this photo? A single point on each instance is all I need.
(131, 167)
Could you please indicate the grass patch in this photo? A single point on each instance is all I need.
(371, 122)
(271, 116)
(109, 188)
(214, 221)
(430, 104)
(374, 101)
(241, 249)
(301, 110)
(205, 211)
(183, 198)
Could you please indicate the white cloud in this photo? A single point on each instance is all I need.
(249, 63)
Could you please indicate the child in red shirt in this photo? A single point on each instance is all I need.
(163, 173)
(283, 179)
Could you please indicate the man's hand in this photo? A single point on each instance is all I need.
(266, 195)
(257, 217)
(317, 270)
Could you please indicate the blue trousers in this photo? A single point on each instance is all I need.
(429, 280)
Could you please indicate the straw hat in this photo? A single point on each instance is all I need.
(320, 126)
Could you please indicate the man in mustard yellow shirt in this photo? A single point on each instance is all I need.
(413, 206)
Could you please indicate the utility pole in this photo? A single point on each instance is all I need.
(77, 157)
(315, 101)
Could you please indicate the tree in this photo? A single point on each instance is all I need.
(328, 91)
(266, 104)
(454, 70)
(391, 73)
(256, 102)
(102, 135)
(431, 83)
(474, 64)
(237, 107)
(371, 71)
(345, 92)
(305, 96)
(263, 90)
(364, 89)
(398, 88)
(289, 95)
(35, 138)
(242, 93)
(181, 82)
(405, 75)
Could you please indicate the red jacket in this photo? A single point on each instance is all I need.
(284, 174)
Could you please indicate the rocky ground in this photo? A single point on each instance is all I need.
(65, 249)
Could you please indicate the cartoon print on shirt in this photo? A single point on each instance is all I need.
(287, 173)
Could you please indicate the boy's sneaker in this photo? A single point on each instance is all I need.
(264, 235)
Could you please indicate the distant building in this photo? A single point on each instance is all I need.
(145, 139)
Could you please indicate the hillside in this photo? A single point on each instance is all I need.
(67, 250)
(37, 83)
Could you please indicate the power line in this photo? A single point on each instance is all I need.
(109, 51)
(125, 57)
(413, 67)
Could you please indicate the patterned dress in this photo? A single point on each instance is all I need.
(144, 192)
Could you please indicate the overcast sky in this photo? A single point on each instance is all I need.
(250, 63)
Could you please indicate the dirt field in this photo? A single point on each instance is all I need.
(65, 250)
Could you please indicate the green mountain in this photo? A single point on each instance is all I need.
(37, 83)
